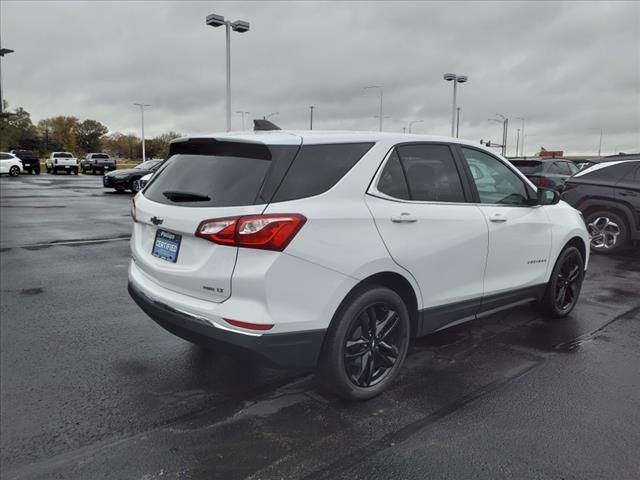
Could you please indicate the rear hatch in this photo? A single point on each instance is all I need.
(203, 179)
(103, 160)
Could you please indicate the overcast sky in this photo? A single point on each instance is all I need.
(568, 68)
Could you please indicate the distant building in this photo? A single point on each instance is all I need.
(544, 153)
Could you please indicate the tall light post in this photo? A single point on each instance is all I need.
(505, 128)
(243, 114)
(521, 137)
(452, 77)
(412, 122)
(457, 122)
(311, 107)
(239, 26)
(142, 105)
(517, 141)
(3, 52)
(600, 143)
(381, 95)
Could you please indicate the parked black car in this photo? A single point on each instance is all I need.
(126, 179)
(548, 173)
(97, 163)
(30, 160)
(608, 195)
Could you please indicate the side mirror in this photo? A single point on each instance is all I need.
(548, 196)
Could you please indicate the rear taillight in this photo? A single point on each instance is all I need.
(267, 232)
(544, 182)
(133, 209)
(55, 161)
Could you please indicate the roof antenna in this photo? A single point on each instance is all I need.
(260, 124)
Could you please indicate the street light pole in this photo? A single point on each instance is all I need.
(458, 122)
(239, 26)
(3, 52)
(381, 95)
(311, 107)
(517, 142)
(522, 138)
(142, 105)
(452, 77)
(243, 114)
(505, 127)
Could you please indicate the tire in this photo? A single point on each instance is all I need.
(74, 171)
(14, 171)
(54, 171)
(69, 172)
(48, 170)
(609, 232)
(133, 186)
(37, 171)
(119, 189)
(94, 171)
(563, 289)
(370, 363)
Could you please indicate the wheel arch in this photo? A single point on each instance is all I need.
(393, 281)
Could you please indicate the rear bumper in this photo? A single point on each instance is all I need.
(286, 350)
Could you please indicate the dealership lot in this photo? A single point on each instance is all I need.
(92, 388)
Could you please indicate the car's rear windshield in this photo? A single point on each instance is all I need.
(212, 173)
(62, 155)
(527, 166)
(215, 174)
(100, 156)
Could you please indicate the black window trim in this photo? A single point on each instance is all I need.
(372, 189)
(476, 196)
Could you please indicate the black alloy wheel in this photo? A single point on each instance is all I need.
(372, 345)
(366, 343)
(563, 289)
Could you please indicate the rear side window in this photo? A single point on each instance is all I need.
(100, 155)
(392, 181)
(608, 173)
(214, 174)
(317, 168)
(5, 156)
(431, 173)
(62, 155)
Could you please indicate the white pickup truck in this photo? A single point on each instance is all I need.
(62, 161)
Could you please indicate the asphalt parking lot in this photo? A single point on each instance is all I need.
(92, 388)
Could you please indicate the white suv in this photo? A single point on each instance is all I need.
(336, 249)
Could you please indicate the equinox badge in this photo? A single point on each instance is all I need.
(156, 221)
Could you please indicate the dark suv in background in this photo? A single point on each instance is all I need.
(548, 173)
(30, 160)
(608, 195)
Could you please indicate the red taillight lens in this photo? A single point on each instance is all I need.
(55, 161)
(267, 232)
(249, 326)
(544, 182)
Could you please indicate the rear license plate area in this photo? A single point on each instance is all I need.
(166, 245)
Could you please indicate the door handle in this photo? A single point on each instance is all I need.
(404, 218)
(497, 218)
(628, 194)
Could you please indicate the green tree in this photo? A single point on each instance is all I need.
(88, 135)
(158, 147)
(17, 131)
(58, 133)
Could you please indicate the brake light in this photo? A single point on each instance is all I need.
(55, 161)
(544, 182)
(249, 326)
(267, 232)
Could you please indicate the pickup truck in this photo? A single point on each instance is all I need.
(30, 161)
(62, 161)
(97, 163)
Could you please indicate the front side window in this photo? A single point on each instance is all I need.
(424, 173)
(498, 184)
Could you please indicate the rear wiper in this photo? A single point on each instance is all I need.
(182, 196)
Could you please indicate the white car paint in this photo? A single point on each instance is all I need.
(61, 161)
(9, 160)
(451, 253)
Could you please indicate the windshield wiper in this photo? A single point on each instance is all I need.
(183, 196)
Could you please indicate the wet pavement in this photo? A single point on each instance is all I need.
(92, 388)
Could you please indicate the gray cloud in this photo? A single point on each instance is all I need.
(566, 67)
